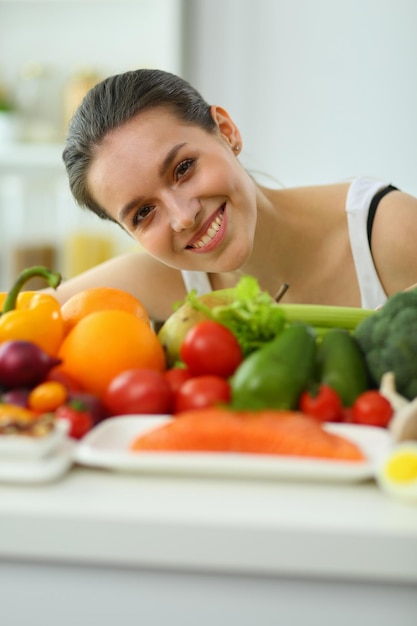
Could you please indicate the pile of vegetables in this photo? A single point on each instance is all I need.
(252, 315)
(236, 348)
(33, 390)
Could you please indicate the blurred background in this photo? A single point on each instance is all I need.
(323, 90)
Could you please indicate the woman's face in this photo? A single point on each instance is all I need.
(178, 190)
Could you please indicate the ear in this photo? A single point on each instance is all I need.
(227, 128)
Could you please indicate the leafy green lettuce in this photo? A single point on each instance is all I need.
(253, 316)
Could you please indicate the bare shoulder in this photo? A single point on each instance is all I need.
(156, 285)
(394, 237)
(316, 196)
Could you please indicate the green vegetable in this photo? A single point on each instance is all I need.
(252, 315)
(341, 365)
(388, 340)
(325, 316)
(275, 375)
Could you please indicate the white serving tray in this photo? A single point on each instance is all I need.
(106, 446)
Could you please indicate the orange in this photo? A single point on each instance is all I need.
(106, 343)
(99, 299)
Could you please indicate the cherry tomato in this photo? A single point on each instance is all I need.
(80, 419)
(211, 348)
(372, 409)
(176, 376)
(325, 405)
(138, 390)
(90, 403)
(347, 415)
(47, 396)
(202, 392)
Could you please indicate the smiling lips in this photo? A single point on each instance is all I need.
(210, 233)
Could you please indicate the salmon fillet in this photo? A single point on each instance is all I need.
(275, 432)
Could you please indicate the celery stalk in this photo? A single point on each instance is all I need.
(325, 316)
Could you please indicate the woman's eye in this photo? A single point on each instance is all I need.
(142, 214)
(183, 168)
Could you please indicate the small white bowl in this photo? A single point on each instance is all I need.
(26, 447)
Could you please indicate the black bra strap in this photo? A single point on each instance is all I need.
(373, 207)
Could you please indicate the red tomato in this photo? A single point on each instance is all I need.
(202, 392)
(211, 348)
(347, 415)
(325, 405)
(80, 421)
(90, 403)
(176, 376)
(138, 390)
(372, 409)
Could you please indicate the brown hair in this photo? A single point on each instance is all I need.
(115, 101)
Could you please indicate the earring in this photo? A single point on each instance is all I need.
(236, 148)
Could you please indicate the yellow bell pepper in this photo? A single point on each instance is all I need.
(32, 315)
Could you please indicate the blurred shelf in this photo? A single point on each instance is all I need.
(31, 155)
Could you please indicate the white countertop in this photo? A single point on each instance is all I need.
(350, 532)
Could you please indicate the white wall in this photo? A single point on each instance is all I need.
(323, 90)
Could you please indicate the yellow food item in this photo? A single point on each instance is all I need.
(397, 475)
(402, 467)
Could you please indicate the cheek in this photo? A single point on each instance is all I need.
(155, 238)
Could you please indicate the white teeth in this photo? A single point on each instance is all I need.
(211, 231)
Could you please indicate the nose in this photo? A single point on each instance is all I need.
(182, 213)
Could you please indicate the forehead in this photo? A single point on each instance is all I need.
(132, 151)
(146, 136)
(149, 129)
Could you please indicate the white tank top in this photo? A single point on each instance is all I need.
(358, 200)
(196, 280)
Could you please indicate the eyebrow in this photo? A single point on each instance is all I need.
(124, 212)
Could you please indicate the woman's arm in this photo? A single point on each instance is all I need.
(394, 238)
(157, 286)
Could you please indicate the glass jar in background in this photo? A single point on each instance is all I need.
(38, 103)
(79, 83)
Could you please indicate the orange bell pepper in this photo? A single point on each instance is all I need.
(32, 315)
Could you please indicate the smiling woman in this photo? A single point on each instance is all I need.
(146, 151)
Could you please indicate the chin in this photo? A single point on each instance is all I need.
(236, 260)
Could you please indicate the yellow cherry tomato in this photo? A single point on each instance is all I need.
(47, 396)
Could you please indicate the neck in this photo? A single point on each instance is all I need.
(270, 261)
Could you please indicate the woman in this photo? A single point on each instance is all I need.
(147, 152)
